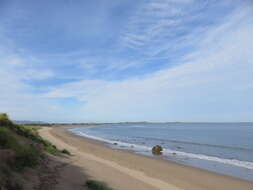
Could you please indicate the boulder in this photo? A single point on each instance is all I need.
(157, 150)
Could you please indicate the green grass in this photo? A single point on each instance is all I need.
(31, 127)
(97, 185)
(4, 120)
(7, 140)
(26, 155)
(65, 151)
(22, 147)
(52, 149)
(30, 132)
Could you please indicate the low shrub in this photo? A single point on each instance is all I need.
(27, 131)
(52, 150)
(31, 127)
(65, 151)
(26, 155)
(4, 120)
(97, 185)
(7, 140)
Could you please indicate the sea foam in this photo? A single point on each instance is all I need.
(234, 162)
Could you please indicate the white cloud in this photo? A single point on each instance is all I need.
(212, 82)
(218, 76)
(17, 96)
(167, 27)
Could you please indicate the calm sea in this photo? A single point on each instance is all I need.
(225, 148)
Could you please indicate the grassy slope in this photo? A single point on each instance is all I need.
(20, 148)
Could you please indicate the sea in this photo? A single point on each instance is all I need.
(225, 148)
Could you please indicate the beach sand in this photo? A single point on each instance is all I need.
(124, 170)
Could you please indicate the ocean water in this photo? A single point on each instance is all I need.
(225, 148)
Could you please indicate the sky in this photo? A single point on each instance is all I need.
(125, 60)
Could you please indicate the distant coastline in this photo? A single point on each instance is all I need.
(41, 123)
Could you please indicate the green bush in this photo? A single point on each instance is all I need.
(52, 150)
(7, 140)
(31, 127)
(4, 120)
(65, 151)
(26, 131)
(26, 155)
(96, 185)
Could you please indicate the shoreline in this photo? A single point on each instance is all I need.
(163, 158)
(126, 170)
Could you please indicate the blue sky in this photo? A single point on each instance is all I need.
(123, 60)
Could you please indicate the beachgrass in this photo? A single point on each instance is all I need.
(97, 185)
(21, 147)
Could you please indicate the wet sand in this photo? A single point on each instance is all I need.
(124, 170)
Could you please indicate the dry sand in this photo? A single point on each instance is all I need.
(124, 170)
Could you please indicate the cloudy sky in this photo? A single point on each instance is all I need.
(125, 60)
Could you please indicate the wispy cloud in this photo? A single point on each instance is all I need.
(18, 97)
(167, 27)
(212, 79)
(161, 60)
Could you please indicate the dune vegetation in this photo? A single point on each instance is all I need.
(23, 152)
(21, 148)
(97, 185)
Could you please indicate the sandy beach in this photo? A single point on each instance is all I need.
(124, 170)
